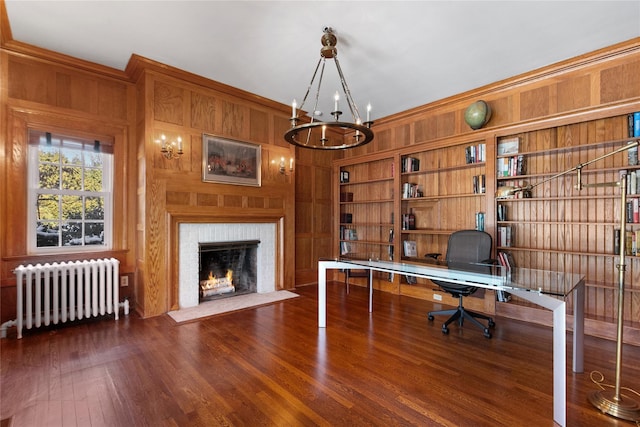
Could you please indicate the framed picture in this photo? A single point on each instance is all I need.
(230, 162)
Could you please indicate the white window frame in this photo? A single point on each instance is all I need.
(33, 191)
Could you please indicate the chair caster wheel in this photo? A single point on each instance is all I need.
(430, 317)
(487, 334)
(445, 330)
(491, 323)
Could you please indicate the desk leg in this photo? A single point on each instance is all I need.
(578, 329)
(560, 364)
(322, 295)
(370, 290)
(559, 309)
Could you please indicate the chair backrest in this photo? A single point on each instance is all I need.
(467, 246)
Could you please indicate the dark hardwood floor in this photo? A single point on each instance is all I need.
(272, 366)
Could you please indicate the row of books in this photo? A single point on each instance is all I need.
(633, 214)
(511, 166)
(410, 164)
(348, 233)
(476, 153)
(633, 182)
(505, 236)
(411, 190)
(632, 247)
(634, 124)
(501, 212)
(506, 260)
(479, 184)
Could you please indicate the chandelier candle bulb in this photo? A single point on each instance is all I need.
(324, 132)
(294, 106)
(369, 112)
(336, 98)
(291, 164)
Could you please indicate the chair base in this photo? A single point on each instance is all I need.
(460, 314)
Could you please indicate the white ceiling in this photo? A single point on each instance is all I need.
(394, 54)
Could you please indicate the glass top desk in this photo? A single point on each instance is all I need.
(549, 289)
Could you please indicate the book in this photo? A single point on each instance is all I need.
(480, 221)
(636, 124)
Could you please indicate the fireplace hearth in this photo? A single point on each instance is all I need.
(227, 269)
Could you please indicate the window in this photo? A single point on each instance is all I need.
(70, 193)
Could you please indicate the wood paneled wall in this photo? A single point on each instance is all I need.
(153, 195)
(171, 192)
(53, 96)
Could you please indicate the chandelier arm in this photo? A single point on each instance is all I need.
(315, 106)
(311, 82)
(352, 105)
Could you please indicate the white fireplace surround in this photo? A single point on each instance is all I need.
(190, 235)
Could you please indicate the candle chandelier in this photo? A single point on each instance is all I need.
(316, 133)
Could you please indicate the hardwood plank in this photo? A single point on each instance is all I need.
(273, 366)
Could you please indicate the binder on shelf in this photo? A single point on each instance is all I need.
(344, 177)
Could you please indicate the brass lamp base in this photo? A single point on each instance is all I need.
(623, 407)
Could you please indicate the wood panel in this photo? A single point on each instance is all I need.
(41, 94)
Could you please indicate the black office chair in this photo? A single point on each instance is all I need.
(465, 247)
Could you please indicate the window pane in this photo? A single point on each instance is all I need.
(48, 153)
(48, 206)
(49, 176)
(71, 178)
(71, 156)
(93, 179)
(93, 160)
(71, 207)
(94, 233)
(72, 234)
(47, 234)
(94, 208)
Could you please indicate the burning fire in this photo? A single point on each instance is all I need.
(215, 282)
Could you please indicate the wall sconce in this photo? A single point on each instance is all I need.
(282, 165)
(170, 149)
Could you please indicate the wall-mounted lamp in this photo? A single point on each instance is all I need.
(170, 149)
(282, 165)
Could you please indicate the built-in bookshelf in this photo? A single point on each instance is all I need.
(436, 183)
(366, 209)
(555, 225)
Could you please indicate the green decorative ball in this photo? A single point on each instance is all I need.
(477, 114)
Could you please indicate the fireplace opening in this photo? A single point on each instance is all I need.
(227, 269)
